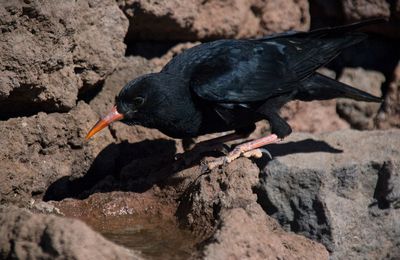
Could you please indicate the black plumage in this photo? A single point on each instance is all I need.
(231, 84)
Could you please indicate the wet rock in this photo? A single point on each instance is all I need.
(41, 149)
(49, 51)
(221, 205)
(196, 20)
(338, 189)
(112, 204)
(360, 115)
(389, 116)
(24, 235)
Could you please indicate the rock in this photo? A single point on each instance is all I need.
(313, 117)
(49, 51)
(222, 205)
(24, 235)
(360, 115)
(243, 235)
(389, 115)
(338, 189)
(198, 20)
(364, 9)
(41, 149)
(330, 12)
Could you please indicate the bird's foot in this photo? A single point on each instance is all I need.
(249, 149)
(224, 160)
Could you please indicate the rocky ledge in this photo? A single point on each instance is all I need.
(336, 189)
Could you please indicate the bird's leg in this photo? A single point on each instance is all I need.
(195, 153)
(215, 144)
(248, 149)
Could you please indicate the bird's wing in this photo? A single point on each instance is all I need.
(240, 71)
(230, 71)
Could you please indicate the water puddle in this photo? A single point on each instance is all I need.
(155, 237)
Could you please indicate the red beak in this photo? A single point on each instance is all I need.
(105, 121)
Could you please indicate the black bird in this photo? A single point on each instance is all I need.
(231, 84)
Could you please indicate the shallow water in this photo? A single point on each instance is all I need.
(154, 237)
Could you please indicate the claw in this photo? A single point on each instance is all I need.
(265, 151)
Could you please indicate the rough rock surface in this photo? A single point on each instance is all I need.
(39, 150)
(195, 20)
(24, 235)
(51, 50)
(248, 234)
(342, 189)
(360, 115)
(389, 116)
(313, 117)
(331, 12)
(222, 204)
(364, 9)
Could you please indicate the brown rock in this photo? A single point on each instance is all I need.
(39, 150)
(195, 20)
(24, 235)
(222, 204)
(360, 115)
(244, 235)
(356, 10)
(313, 117)
(389, 116)
(49, 51)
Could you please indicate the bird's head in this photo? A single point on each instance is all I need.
(133, 104)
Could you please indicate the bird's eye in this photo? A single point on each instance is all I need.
(138, 101)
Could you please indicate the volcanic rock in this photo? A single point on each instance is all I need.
(338, 189)
(196, 20)
(50, 51)
(24, 235)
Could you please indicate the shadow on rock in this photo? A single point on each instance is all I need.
(294, 147)
(123, 166)
(138, 166)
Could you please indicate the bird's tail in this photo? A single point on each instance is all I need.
(320, 87)
(327, 32)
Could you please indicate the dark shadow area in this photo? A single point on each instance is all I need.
(19, 103)
(138, 166)
(122, 166)
(382, 189)
(87, 93)
(148, 49)
(303, 146)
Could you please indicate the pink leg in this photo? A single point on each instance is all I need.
(243, 149)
